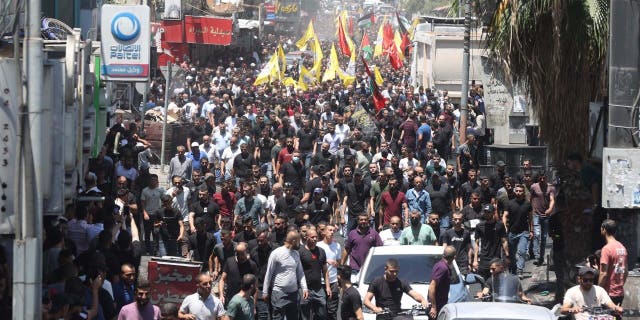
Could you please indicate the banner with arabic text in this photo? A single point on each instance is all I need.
(171, 281)
(208, 30)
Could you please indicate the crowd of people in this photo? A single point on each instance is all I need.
(281, 192)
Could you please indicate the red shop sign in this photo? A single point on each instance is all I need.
(208, 30)
(172, 31)
(171, 281)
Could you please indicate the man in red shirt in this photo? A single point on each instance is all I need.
(226, 200)
(613, 263)
(393, 203)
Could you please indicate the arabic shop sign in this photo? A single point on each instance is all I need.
(208, 30)
(287, 10)
(125, 42)
(171, 282)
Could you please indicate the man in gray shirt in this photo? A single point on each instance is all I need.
(180, 165)
(283, 277)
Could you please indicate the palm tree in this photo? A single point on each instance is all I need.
(556, 51)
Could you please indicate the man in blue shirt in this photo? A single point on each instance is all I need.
(418, 199)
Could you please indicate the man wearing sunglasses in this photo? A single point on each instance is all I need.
(586, 294)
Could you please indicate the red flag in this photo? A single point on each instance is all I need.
(378, 99)
(387, 37)
(394, 57)
(342, 40)
(403, 32)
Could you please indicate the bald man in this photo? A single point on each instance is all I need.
(286, 277)
(440, 281)
(234, 269)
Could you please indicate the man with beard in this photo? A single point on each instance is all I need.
(235, 268)
(195, 155)
(464, 194)
(248, 233)
(333, 251)
(441, 200)
(202, 304)
(241, 306)
(304, 142)
(440, 281)
(242, 164)
(350, 303)
(260, 255)
(314, 264)
(418, 233)
(418, 199)
(248, 207)
(151, 203)
(140, 308)
(180, 165)
(285, 155)
(288, 204)
(473, 211)
(325, 159)
(228, 155)
(377, 188)
(221, 252)
(391, 235)
(388, 290)
(201, 243)
(332, 138)
(210, 183)
(496, 180)
(586, 294)
(312, 184)
(263, 152)
(293, 172)
(442, 137)
(205, 209)
(518, 219)
(393, 203)
(436, 165)
(491, 242)
(459, 238)
(355, 200)
(318, 209)
(226, 201)
(359, 241)
(284, 278)
(279, 234)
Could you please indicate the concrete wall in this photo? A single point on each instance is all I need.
(438, 64)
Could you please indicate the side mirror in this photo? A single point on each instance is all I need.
(473, 278)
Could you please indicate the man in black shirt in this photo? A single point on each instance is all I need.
(221, 252)
(262, 152)
(440, 196)
(234, 269)
(464, 194)
(503, 284)
(388, 290)
(171, 227)
(293, 172)
(201, 243)
(459, 238)
(487, 194)
(314, 264)
(518, 219)
(473, 211)
(260, 255)
(325, 159)
(279, 232)
(491, 242)
(204, 208)
(242, 164)
(288, 204)
(350, 303)
(304, 142)
(357, 195)
(319, 210)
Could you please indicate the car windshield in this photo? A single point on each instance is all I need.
(409, 270)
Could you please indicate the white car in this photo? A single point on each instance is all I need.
(415, 263)
(494, 310)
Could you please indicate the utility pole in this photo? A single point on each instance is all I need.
(464, 92)
(167, 85)
(27, 247)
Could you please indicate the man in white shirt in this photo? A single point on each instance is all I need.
(391, 236)
(586, 294)
(202, 304)
(333, 251)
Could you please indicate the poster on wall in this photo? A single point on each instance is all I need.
(621, 178)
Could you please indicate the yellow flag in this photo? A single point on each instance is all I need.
(288, 81)
(349, 76)
(377, 76)
(330, 72)
(317, 60)
(282, 60)
(377, 51)
(270, 72)
(398, 42)
(308, 35)
(412, 29)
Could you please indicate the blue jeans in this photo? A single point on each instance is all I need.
(518, 247)
(285, 305)
(540, 232)
(267, 170)
(262, 309)
(307, 163)
(445, 221)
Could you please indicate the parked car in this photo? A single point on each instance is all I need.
(494, 310)
(415, 263)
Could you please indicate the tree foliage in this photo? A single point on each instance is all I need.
(556, 49)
